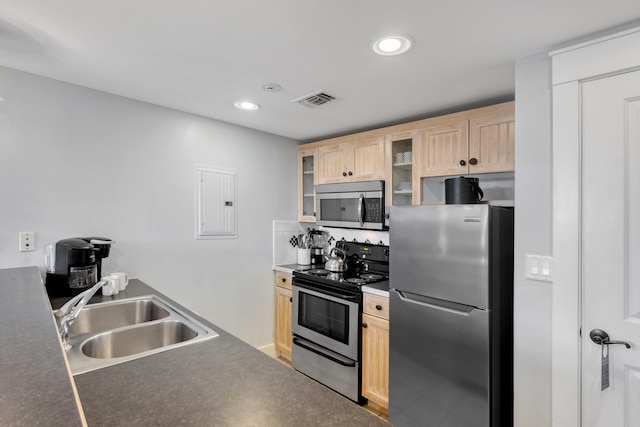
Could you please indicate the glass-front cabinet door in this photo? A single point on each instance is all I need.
(307, 179)
(402, 186)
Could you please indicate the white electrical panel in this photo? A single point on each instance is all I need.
(216, 210)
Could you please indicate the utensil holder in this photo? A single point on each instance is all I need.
(304, 256)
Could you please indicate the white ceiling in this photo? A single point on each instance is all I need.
(200, 56)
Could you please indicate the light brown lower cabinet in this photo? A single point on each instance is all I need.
(282, 331)
(375, 352)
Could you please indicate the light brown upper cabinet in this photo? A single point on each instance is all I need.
(361, 160)
(492, 143)
(475, 141)
(307, 179)
(483, 143)
(402, 179)
(444, 149)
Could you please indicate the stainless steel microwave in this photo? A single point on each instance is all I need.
(351, 205)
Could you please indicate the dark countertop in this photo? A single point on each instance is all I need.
(35, 386)
(219, 382)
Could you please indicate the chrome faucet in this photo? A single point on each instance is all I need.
(69, 312)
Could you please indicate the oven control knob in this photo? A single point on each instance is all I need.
(386, 252)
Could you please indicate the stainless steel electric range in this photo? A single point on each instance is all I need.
(327, 317)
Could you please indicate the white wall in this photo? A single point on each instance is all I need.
(77, 162)
(533, 212)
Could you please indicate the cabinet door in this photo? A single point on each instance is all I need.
(444, 150)
(332, 164)
(282, 335)
(366, 160)
(492, 144)
(400, 152)
(375, 360)
(307, 179)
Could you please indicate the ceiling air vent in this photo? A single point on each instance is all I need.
(314, 100)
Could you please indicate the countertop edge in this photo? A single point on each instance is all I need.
(34, 362)
(382, 290)
(282, 269)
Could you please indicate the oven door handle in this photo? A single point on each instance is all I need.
(317, 350)
(361, 210)
(346, 297)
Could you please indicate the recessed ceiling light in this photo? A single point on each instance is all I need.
(246, 105)
(392, 45)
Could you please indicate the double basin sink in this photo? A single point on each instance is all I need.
(113, 332)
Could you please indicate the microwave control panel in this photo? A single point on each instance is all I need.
(373, 210)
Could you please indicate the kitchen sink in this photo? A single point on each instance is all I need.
(128, 341)
(114, 332)
(116, 314)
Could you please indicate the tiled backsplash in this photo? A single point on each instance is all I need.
(284, 252)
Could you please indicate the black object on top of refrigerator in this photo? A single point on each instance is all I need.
(451, 311)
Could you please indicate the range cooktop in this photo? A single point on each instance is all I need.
(366, 264)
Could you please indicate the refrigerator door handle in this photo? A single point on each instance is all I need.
(449, 307)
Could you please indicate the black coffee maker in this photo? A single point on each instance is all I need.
(75, 265)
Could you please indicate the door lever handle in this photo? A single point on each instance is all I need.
(626, 344)
(600, 337)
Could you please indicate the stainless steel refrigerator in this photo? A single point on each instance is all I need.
(451, 316)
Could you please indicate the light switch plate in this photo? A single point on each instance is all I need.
(538, 267)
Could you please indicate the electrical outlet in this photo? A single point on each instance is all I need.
(27, 241)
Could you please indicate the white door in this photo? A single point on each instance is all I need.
(611, 248)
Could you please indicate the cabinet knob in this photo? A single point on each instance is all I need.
(473, 161)
(378, 307)
(284, 279)
(290, 299)
(344, 174)
(462, 163)
(364, 325)
(350, 173)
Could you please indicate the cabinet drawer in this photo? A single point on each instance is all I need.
(376, 305)
(283, 280)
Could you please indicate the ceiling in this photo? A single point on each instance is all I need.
(201, 56)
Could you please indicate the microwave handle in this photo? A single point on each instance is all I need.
(361, 210)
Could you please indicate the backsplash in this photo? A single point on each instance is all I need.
(285, 253)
